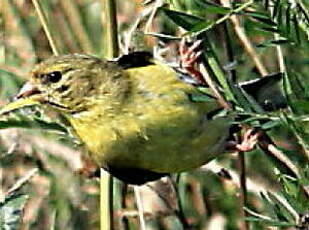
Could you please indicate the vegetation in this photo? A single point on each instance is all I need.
(242, 40)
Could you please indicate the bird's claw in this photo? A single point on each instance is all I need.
(188, 55)
(248, 143)
(189, 58)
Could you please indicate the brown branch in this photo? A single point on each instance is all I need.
(270, 148)
(213, 88)
(241, 34)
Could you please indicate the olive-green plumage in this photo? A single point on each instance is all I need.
(130, 117)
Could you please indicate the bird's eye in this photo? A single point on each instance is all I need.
(52, 77)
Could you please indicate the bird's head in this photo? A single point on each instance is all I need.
(70, 84)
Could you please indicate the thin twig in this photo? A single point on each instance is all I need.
(213, 87)
(252, 213)
(2, 194)
(157, 4)
(243, 187)
(240, 32)
(140, 208)
(111, 50)
(229, 51)
(105, 200)
(227, 16)
(43, 20)
(180, 212)
(22, 181)
(225, 105)
(110, 27)
(253, 186)
(268, 146)
(241, 156)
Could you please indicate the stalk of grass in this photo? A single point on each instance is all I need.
(140, 207)
(110, 32)
(110, 50)
(106, 200)
(241, 156)
(46, 28)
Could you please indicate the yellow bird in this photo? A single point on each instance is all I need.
(134, 115)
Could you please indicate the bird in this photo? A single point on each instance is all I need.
(134, 115)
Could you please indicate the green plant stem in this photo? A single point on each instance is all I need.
(241, 155)
(109, 22)
(106, 191)
(111, 50)
(214, 89)
(227, 16)
(140, 208)
(229, 50)
(47, 31)
(180, 212)
(243, 186)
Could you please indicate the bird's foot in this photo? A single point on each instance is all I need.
(189, 56)
(248, 142)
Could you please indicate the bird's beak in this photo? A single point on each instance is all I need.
(28, 95)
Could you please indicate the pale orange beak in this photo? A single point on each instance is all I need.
(27, 90)
(27, 96)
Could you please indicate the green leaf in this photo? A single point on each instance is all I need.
(272, 43)
(269, 29)
(302, 105)
(270, 222)
(276, 8)
(9, 83)
(296, 27)
(20, 121)
(270, 124)
(281, 26)
(201, 26)
(281, 211)
(213, 8)
(288, 19)
(265, 20)
(257, 15)
(252, 103)
(181, 19)
(200, 98)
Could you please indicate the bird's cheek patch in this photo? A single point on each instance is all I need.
(62, 88)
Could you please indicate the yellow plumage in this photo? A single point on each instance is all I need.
(129, 118)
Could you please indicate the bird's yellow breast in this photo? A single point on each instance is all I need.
(157, 128)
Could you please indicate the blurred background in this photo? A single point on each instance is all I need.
(39, 187)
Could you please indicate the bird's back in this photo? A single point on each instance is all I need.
(159, 128)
